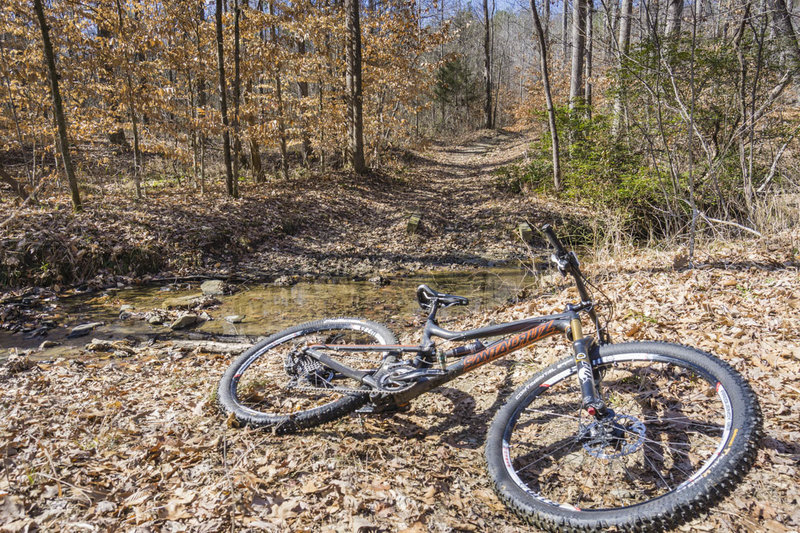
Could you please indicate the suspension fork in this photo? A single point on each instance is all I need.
(581, 345)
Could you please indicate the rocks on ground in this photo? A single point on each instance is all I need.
(214, 287)
(83, 329)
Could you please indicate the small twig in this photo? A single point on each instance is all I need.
(52, 466)
(82, 491)
(729, 223)
(775, 161)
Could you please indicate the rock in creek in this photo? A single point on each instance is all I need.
(213, 287)
(234, 319)
(184, 321)
(48, 344)
(83, 329)
(122, 346)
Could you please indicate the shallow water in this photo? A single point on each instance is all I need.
(269, 308)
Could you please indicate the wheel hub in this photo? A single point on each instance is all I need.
(300, 366)
(613, 437)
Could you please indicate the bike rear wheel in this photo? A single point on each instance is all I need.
(275, 384)
(685, 428)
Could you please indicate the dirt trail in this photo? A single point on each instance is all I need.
(466, 220)
(315, 224)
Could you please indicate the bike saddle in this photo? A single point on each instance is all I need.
(426, 296)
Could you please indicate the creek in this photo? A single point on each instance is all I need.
(265, 309)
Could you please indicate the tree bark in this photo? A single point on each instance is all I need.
(237, 96)
(201, 103)
(786, 36)
(355, 121)
(137, 156)
(302, 87)
(279, 97)
(487, 66)
(551, 113)
(674, 13)
(58, 108)
(578, 50)
(564, 30)
(587, 88)
(223, 103)
(623, 45)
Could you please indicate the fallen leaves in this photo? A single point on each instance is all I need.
(121, 444)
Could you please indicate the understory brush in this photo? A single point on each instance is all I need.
(637, 195)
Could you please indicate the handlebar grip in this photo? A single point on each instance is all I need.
(548, 231)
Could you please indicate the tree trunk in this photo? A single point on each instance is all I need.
(786, 36)
(237, 96)
(58, 109)
(137, 156)
(674, 13)
(223, 103)
(201, 103)
(279, 97)
(487, 66)
(255, 160)
(578, 50)
(302, 87)
(551, 113)
(355, 121)
(564, 31)
(623, 46)
(546, 25)
(587, 89)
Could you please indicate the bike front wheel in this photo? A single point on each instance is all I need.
(277, 384)
(682, 428)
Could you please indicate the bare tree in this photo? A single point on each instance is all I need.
(564, 31)
(578, 51)
(587, 90)
(137, 154)
(551, 113)
(674, 13)
(302, 87)
(237, 96)
(58, 108)
(223, 104)
(355, 121)
(623, 46)
(786, 36)
(279, 98)
(487, 66)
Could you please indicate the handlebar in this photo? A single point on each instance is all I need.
(567, 262)
(550, 233)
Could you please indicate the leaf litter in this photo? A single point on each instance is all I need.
(137, 444)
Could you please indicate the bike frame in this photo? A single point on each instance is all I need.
(528, 331)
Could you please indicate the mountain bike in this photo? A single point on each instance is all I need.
(631, 436)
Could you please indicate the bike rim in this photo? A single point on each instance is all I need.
(262, 385)
(549, 456)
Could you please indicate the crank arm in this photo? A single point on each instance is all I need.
(358, 375)
(421, 373)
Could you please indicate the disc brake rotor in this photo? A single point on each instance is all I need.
(613, 438)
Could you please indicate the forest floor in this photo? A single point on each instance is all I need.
(314, 225)
(127, 436)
